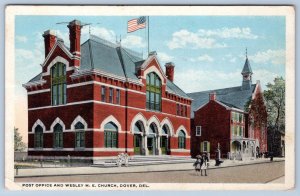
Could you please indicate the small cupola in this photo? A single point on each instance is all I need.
(247, 74)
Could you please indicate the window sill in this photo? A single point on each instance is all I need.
(58, 148)
(79, 148)
(156, 111)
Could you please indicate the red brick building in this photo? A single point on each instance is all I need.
(100, 99)
(234, 118)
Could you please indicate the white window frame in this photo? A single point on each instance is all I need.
(205, 145)
(200, 131)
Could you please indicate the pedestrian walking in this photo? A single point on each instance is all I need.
(197, 164)
(204, 164)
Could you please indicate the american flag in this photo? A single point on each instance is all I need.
(136, 24)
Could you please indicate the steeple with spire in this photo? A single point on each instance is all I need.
(247, 74)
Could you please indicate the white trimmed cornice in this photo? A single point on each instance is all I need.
(61, 46)
(79, 119)
(112, 119)
(38, 122)
(166, 121)
(57, 121)
(136, 118)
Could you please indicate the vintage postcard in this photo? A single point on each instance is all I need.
(150, 97)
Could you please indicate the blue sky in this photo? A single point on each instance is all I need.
(212, 46)
(208, 51)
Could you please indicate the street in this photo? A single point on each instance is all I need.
(256, 173)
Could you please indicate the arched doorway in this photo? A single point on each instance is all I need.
(236, 148)
(139, 130)
(244, 146)
(165, 140)
(152, 140)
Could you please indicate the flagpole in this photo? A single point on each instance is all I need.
(148, 34)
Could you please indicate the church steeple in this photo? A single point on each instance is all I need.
(247, 74)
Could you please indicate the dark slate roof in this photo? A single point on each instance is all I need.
(233, 97)
(108, 57)
(247, 67)
(36, 78)
(173, 88)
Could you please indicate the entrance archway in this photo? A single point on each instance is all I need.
(165, 140)
(138, 142)
(236, 146)
(152, 140)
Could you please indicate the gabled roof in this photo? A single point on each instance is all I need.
(36, 78)
(247, 67)
(233, 97)
(173, 88)
(99, 54)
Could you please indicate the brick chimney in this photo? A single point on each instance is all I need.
(170, 71)
(75, 31)
(49, 40)
(212, 96)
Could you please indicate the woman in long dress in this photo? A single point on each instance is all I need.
(204, 164)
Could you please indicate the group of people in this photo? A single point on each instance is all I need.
(201, 164)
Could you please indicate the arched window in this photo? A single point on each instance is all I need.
(152, 129)
(58, 84)
(165, 130)
(138, 127)
(38, 137)
(111, 135)
(79, 135)
(181, 139)
(58, 136)
(153, 93)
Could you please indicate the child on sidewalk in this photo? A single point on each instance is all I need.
(197, 164)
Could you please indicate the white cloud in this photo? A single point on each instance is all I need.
(202, 58)
(133, 41)
(206, 38)
(275, 57)
(236, 32)
(63, 35)
(232, 60)
(103, 33)
(164, 57)
(22, 39)
(185, 38)
(193, 80)
(24, 54)
(264, 76)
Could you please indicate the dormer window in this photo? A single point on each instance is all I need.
(153, 93)
(58, 84)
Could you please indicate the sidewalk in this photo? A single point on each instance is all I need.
(66, 171)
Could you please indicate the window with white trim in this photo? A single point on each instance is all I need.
(79, 135)
(111, 95)
(103, 94)
(153, 92)
(198, 130)
(58, 84)
(58, 136)
(181, 140)
(38, 137)
(205, 146)
(111, 135)
(118, 96)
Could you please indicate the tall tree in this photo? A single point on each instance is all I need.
(19, 144)
(275, 98)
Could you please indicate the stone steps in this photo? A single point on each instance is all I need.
(144, 160)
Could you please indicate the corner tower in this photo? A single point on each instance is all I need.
(247, 74)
